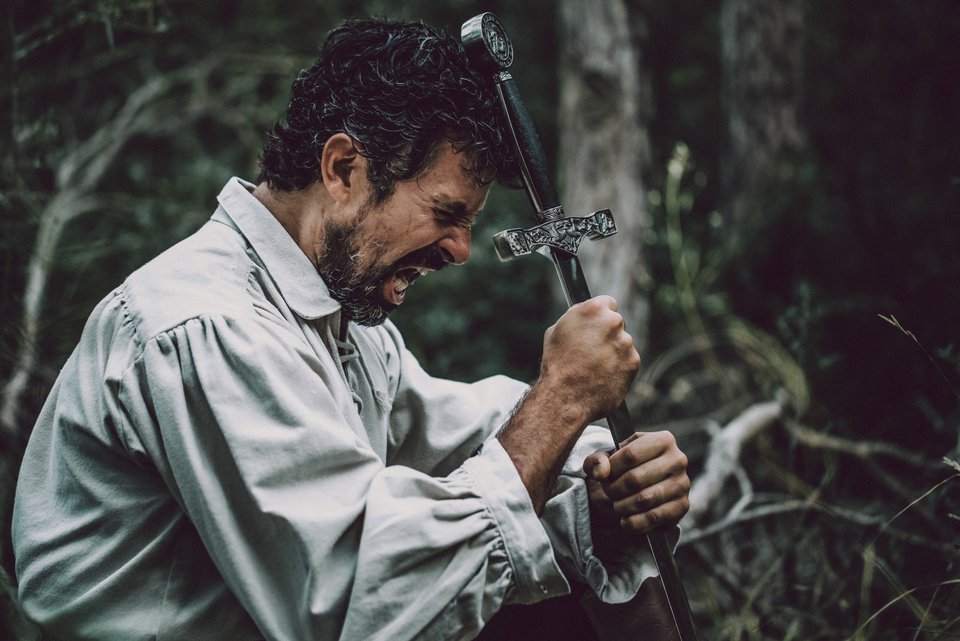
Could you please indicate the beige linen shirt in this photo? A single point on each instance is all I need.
(207, 468)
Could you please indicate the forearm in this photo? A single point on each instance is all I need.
(539, 436)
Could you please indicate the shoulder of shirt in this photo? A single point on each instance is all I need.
(207, 273)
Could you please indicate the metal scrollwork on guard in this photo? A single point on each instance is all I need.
(561, 233)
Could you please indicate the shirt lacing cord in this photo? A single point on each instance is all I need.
(345, 351)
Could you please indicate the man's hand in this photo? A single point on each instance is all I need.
(643, 485)
(589, 359)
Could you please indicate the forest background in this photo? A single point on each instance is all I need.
(786, 180)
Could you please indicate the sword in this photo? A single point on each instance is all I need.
(558, 237)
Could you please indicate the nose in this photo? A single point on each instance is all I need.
(456, 245)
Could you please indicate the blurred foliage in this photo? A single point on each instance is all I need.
(830, 532)
(862, 527)
(862, 225)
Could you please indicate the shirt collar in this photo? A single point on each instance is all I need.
(297, 279)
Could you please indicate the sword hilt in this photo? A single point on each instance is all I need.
(489, 48)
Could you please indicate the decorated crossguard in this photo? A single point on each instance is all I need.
(560, 232)
(558, 237)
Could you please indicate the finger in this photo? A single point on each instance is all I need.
(652, 497)
(666, 515)
(597, 466)
(640, 448)
(638, 479)
(599, 499)
(608, 301)
(596, 307)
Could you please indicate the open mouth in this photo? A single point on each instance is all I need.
(395, 287)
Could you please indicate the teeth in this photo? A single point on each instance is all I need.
(405, 277)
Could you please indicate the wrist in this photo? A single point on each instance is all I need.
(560, 401)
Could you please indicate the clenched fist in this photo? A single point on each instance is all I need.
(589, 356)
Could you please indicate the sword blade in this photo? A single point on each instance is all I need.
(576, 290)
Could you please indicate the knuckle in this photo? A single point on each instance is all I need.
(594, 305)
(618, 325)
(649, 498)
(629, 484)
(652, 518)
(675, 461)
(631, 456)
(635, 483)
(668, 439)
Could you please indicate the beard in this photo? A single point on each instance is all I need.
(360, 290)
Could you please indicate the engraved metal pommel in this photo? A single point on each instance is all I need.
(486, 42)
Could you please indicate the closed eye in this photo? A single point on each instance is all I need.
(445, 217)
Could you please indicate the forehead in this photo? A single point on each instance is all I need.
(449, 181)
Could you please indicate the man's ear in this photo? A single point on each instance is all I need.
(340, 164)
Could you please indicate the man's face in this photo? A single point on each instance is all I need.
(369, 261)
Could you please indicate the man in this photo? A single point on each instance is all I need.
(240, 447)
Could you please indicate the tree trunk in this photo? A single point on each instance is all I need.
(604, 148)
(762, 57)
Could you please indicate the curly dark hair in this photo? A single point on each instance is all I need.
(397, 89)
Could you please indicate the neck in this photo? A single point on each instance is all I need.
(299, 212)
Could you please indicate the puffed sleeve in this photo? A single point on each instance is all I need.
(316, 537)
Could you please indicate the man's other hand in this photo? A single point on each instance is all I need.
(643, 485)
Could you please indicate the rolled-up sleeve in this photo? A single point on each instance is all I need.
(316, 537)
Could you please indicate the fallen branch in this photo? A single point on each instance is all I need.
(865, 450)
(868, 452)
(723, 458)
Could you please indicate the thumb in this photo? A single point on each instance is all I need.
(597, 466)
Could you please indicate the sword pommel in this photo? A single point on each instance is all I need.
(486, 42)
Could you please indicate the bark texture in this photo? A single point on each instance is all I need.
(762, 57)
(604, 148)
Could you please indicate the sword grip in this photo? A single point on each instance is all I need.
(530, 154)
(619, 423)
